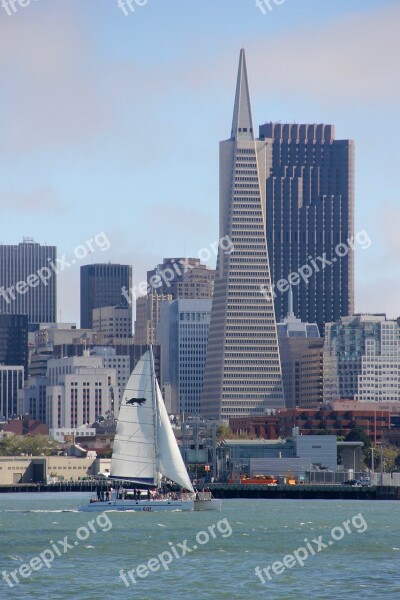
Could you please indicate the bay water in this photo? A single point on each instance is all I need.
(279, 549)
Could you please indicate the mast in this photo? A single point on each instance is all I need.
(155, 412)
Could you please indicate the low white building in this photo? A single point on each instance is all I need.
(81, 397)
(83, 431)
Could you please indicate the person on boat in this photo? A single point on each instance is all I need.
(148, 495)
(98, 494)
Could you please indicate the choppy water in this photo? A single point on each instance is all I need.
(246, 534)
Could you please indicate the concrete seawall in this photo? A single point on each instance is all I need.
(304, 492)
(228, 491)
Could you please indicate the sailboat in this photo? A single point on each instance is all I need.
(145, 451)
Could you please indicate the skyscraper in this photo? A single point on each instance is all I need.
(28, 281)
(310, 220)
(182, 278)
(14, 341)
(243, 371)
(101, 285)
(182, 333)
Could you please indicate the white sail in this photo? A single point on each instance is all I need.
(134, 456)
(169, 459)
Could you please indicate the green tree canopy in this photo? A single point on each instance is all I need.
(15, 445)
(357, 434)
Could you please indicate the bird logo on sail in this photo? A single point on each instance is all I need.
(138, 401)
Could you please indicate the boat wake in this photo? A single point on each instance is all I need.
(67, 510)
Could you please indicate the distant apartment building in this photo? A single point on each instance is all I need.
(301, 350)
(309, 219)
(14, 341)
(113, 321)
(28, 281)
(147, 317)
(103, 285)
(183, 335)
(362, 359)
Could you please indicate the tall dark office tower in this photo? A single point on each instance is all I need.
(14, 341)
(102, 285)
(28, 281)
(243, 371)
(309, 220)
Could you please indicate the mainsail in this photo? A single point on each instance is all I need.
(134, 456)
(145, 446)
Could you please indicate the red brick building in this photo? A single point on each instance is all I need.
(375, 423)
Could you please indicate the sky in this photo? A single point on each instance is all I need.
(110, 122)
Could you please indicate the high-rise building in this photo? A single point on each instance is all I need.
(362, 359)
(243, 371)
(103, 285)
(11, 384)
(113, 321)
(28, 281)
(301, 350)
(14, 341)
(310, 220)
(183, 334)
(147, 317)
(182, 278)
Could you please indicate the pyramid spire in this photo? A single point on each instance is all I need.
(290, 303)
(242, 123)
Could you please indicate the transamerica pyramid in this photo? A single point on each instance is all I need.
(243, 371)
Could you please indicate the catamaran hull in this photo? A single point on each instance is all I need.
(139, 505)
(212, 504)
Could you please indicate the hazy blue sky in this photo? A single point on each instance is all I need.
(111, 123)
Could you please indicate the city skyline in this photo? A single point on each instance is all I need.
(64, 198)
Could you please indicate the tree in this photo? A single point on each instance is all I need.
(390, 456)
(357, 434)
(224, 432)
(15, 445)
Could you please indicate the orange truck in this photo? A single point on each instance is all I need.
(263, 479)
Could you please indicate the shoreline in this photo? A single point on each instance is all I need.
(232, 491)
